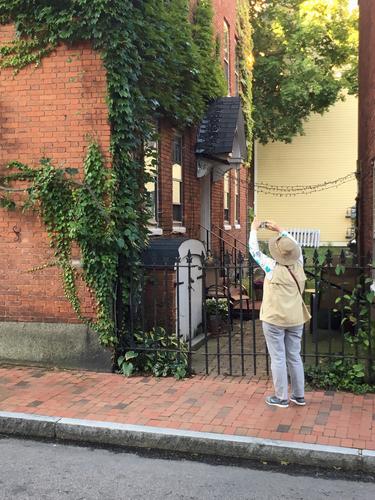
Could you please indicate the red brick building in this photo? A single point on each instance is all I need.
(50, 111)
(366, 153)
(183, 201)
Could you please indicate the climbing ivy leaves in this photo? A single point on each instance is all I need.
(161, 60)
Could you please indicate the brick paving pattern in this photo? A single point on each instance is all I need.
(210, 404)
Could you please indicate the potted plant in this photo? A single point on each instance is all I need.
(217, 315)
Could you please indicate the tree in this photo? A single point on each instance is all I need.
(305, 60)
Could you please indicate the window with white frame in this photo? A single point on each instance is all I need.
(237, 182)
(177, 181)
(152, 184)
(227, 197)
(227, 54)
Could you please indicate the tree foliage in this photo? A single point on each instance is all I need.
(305, 60)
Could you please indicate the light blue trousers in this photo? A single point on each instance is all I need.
(284, 347)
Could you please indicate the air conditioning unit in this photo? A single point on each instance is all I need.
(351, 213)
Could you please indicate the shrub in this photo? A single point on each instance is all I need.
(217, 307)
(157, 353)
(344, 375)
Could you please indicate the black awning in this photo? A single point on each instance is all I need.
(221, 134)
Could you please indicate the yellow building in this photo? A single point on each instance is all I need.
(326, 152)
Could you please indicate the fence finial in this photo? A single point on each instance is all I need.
(329, 257)
(342, 257)
(316, 258)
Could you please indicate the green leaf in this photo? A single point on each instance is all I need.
(71, 171)
(340, 269)
(130, 355)
(358, 367)
(127, 369)
(120, 243)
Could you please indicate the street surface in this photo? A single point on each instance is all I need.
(36, 470)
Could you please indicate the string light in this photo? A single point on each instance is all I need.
(298, 189)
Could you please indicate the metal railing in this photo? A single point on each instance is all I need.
(213, 310)
(232, 248)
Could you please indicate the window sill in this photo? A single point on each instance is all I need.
(237, 226)
(227, 227)
(155, 231)
(178, 229)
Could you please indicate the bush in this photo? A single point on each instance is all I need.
(217, 307)
(159, 354)
(344, 375)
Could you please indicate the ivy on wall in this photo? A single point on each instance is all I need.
(246, 62)
(156, 61)
(161, 60)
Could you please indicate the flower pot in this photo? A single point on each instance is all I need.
(215, 325)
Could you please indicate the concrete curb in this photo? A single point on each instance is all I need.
(190, 442)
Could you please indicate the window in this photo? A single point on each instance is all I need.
(177, 181)
(237, 181)
(151, 168)
(237, 71)
(227, 55)
(226, 197)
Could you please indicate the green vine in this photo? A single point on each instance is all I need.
(78, 212)
(246, 62)
(354, 308)
(160, 62)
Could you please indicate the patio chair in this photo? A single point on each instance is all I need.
(237, 295)
(240, 300)
(215, 284)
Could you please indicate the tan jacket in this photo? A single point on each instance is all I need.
(282, 302)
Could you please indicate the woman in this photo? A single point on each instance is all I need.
(283, 312)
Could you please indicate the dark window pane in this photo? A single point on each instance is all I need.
(177, 150)
(177, 213)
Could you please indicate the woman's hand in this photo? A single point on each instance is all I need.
(273, 226)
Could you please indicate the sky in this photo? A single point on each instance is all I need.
(353, 4)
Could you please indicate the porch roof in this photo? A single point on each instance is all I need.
(221, 127)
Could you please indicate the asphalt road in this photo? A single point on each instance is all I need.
(36, 470)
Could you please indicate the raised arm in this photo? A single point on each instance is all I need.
(266, 263)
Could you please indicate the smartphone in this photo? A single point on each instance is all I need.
(263, 225)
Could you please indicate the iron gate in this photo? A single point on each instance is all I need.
(228, 339)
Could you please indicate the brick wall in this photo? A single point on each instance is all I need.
(191, 185)
(366, 124)
(223, 10)
(226, 10)
(46, 111)
(50, 111)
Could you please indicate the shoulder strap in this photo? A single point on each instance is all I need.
(295, 279)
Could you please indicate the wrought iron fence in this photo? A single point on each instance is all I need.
(209, 312)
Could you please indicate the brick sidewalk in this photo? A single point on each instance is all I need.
(220, 405)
